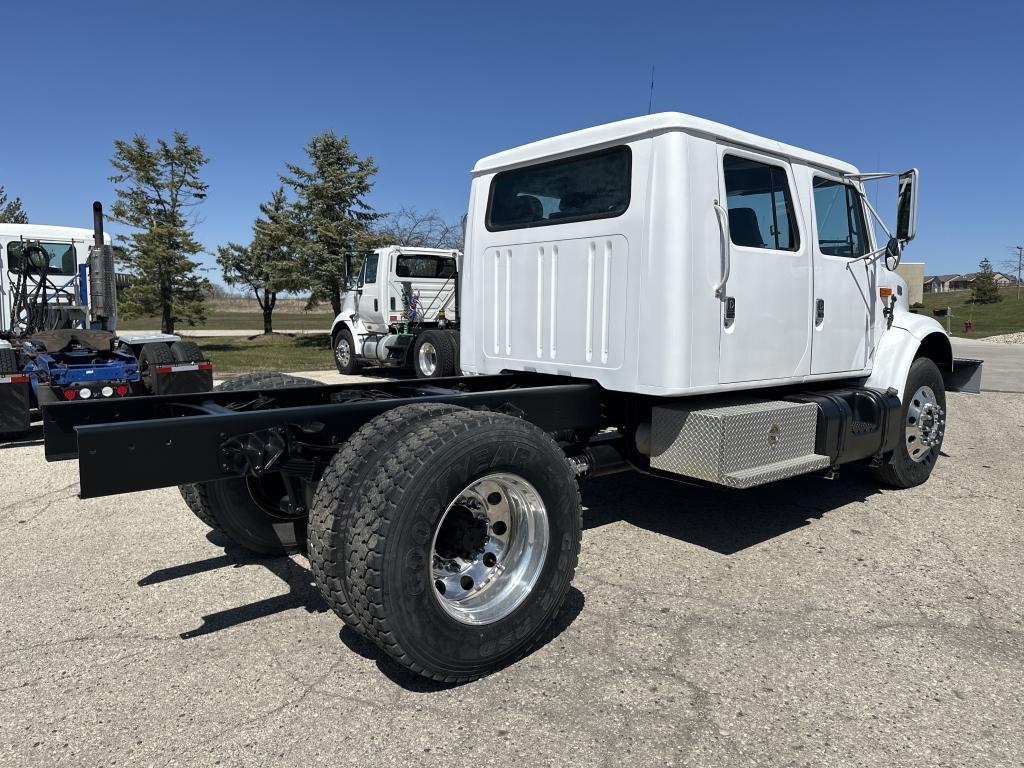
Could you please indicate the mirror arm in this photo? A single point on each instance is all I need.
(875, 214)
(868, 258)
(870, 176)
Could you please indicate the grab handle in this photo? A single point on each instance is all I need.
(723, 227)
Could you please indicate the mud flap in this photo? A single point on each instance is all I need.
(182, 378)
(14, 404)
(963, 376)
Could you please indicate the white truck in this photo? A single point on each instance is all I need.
(663, 294)
(401, 312)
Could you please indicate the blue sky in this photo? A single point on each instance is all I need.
(427, 88)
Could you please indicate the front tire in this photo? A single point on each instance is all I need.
(922, 428)
(345, 352)
(462, 549)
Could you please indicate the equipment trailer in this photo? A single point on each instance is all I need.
(441, 518)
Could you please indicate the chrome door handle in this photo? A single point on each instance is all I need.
(723, 228)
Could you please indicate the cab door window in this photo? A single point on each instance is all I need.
(840, 219)
(760, 205)
(368, 274)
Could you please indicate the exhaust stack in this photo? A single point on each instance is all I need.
(102, 288)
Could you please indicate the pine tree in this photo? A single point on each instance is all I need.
(11, 211)
(157, 189)
(270, 264)
(332, 214)
(984, 289)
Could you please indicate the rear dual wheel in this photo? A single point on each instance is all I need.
(154, 354)
(435, 353)
(252, 511)
(456, 552)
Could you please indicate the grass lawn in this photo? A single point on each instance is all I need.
(238, 354)
(218, 320)
(1006, 316)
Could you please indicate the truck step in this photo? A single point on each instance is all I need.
(780, 470)
(738, 444)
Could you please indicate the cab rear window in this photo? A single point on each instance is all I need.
(424, 266)
(33, 256)
(591, 186)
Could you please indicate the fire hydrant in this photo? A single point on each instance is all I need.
(967, 326)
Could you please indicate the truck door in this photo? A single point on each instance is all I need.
(370, 307)
(765, 329)
(844, 285)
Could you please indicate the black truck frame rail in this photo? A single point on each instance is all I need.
(153, 442)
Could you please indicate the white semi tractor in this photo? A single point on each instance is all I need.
(401, 312)
(664, 294)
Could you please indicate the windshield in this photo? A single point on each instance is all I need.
(23, 257)
(424, 266)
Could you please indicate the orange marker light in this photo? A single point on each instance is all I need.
(885, 293)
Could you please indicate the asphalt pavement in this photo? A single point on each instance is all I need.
(810, 623)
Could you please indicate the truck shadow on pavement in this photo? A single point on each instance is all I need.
(303, 593)
(32, 436)
(719, 519)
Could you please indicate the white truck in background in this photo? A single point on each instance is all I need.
(402, 312)
(664, 294)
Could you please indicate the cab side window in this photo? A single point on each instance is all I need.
(760, 205)
(840, 219)
(368, 275)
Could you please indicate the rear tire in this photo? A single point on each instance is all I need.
(8, 361)
(453, 342)
(424, 521)
(433, 355)
(228, 506)
(922, 428)
(187, 352)
(344, 347)
(153, 354)
(338, 496)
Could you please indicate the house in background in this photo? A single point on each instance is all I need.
(938, 283)
(966, 282)
(1004, 280)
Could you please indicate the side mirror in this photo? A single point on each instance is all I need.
(893, 254)
(906, 207)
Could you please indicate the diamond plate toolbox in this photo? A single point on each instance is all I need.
(735, 444)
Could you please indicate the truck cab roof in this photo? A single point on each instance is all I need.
(49, 232)
(646, 126)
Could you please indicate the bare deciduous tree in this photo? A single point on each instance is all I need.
(411, 227)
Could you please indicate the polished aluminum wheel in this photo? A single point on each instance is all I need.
(926, 423)
(428, 358)
(343, 351)
(489, 548)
